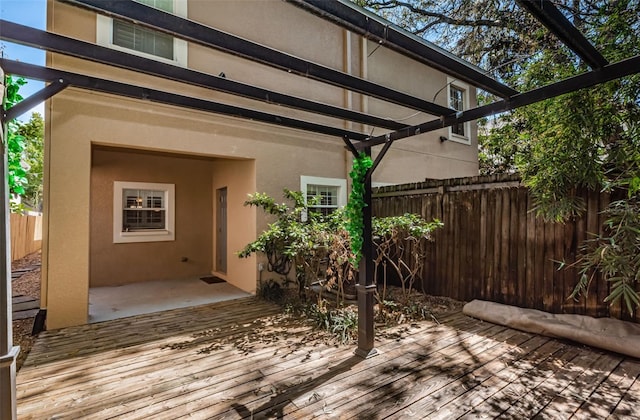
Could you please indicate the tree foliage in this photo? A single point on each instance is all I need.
(33, 133)
(585, 139)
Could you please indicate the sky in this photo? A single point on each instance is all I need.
(29, 13)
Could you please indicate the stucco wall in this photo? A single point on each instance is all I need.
(264, 158)
(121, 263)
(238, 176)
(257, 157)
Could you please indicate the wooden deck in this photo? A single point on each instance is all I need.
(239, 359)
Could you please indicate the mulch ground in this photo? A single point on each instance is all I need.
(27, 284)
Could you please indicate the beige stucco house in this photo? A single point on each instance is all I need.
(138, 191)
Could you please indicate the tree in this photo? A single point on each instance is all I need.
(33, 134)
(586, 139)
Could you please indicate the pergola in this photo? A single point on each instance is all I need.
(340, 12)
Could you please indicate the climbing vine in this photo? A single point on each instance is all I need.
(355, 223)
(15, 144)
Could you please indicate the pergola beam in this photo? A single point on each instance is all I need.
(192, 31)
(154, 95)
(549, 15)
(610, 72)
(42, 95)
(370, 26)
(26, 35)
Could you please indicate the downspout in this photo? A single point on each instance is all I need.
(364, 74)
(39, 323)
(348, 98)
(8, 352)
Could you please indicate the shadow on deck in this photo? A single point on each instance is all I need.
(242, 359)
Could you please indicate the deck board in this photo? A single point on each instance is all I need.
(244, 359)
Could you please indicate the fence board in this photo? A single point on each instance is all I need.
(521, 261)
(493, 247)
(530, 280)
(592, 230)
(490, 240)
(26, 235)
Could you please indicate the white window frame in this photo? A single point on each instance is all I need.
(466, 139)
(104, 37)
(341, 183)
(159, 235)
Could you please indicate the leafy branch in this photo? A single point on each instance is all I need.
(616, 255)
(15, 144)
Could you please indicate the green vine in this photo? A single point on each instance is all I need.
(15, 144)
(355, 223)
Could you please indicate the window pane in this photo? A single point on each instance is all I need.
(325, 211)
(323, 195)
(143, 210)
(322, 198)
(458, 129)
(135, 220)
(137, 38)
(456, 96)
(143, 199)
(166, 5)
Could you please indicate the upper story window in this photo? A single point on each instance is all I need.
(136, 39)
(458, 99)
(324, 195)
(143, 212)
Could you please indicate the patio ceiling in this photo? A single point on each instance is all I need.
(340, 12)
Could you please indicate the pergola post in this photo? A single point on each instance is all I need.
(366, 286)
(8, 352)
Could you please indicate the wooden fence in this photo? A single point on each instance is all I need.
(26, 235)
(493, 247)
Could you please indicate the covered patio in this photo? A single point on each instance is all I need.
(114, 302)
(243, 359)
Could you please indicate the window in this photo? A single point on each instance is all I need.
(135, 39)
(458, 98)
(324, 195)
(143, 212)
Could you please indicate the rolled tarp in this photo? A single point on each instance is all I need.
(606, 333)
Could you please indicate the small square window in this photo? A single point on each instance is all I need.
(323, 195)
(143, 212)
(322, 198)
